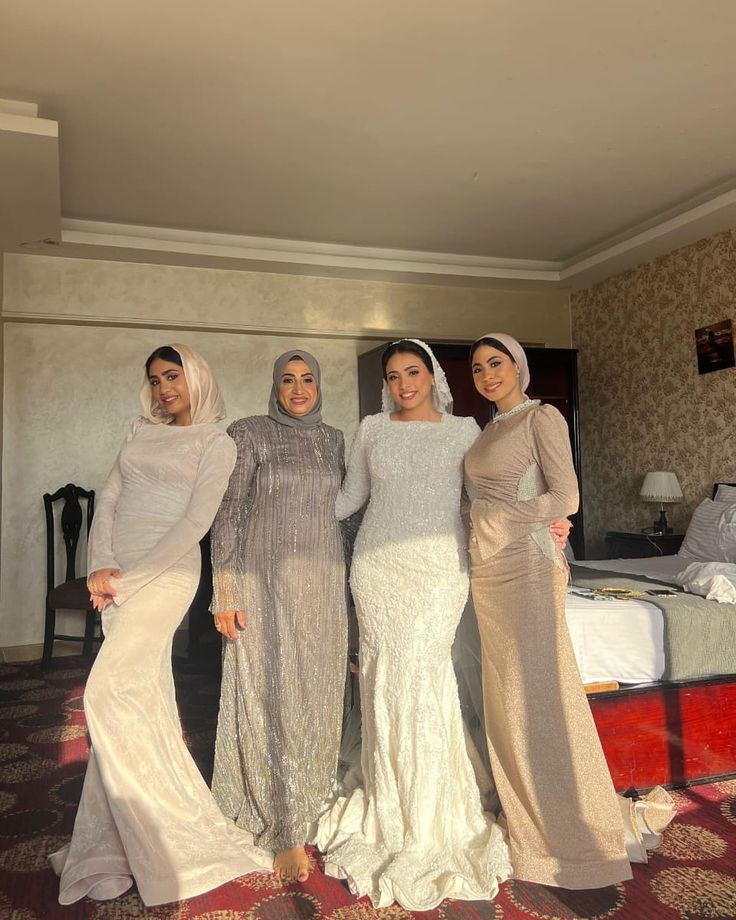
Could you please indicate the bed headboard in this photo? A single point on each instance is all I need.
(716, 484)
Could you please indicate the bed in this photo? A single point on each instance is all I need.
(674, 719)
(643, 640)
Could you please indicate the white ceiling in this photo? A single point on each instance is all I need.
(503, 130)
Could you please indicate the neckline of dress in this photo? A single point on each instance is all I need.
(500, 416)
(415, 421)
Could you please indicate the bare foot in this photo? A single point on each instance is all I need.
(292, 865)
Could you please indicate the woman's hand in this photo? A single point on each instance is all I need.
(561, 531)
(101, 591)
(225, 622)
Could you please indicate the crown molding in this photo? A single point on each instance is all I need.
(101, 240)
(665, 235)
(301, 252)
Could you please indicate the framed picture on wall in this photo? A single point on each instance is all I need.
(714, 347)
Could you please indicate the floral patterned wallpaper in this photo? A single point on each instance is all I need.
(643, 405)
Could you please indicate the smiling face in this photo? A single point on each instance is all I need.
(496, 376)
(409, 381)
(170, 390)
(298, 389)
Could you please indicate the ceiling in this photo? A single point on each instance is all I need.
(500, 131)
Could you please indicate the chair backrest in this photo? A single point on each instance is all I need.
(71, 526)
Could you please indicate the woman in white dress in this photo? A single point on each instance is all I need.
(414, 829)
(146, 813)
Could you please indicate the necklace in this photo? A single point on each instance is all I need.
(522, 405)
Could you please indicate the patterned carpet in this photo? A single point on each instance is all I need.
(43, 749)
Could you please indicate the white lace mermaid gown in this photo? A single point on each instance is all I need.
(414, 831)
(146, 812)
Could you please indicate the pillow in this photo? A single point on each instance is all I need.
(701, 538)
(715, 581)
(726, 531)
(725, 493)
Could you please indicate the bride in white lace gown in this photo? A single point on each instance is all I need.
(146, 813)
(413, 829)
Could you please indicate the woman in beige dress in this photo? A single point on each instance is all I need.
(565, 825)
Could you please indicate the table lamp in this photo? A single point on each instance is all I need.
(663, 488)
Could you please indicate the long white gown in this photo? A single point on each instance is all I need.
(146, 812)
(414, 830)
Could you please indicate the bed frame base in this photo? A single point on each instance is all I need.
(669, 733)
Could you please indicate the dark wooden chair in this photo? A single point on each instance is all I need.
(71, 593)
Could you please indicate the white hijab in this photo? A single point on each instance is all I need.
(517, 353)
(441, 395)
(206, 402)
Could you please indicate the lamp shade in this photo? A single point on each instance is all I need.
(661, 487)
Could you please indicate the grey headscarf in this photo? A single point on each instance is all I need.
(517, 353)
(276, 410)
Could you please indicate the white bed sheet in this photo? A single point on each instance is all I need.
(621, 640)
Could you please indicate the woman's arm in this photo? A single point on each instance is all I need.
(227, 530)
(498, 523)
(356, 487)
(214, 470)
(101, 562)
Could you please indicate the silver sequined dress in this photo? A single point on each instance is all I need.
(277, 555)
(414, 830)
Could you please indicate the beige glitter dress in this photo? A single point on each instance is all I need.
(564, 821)
(277, 555)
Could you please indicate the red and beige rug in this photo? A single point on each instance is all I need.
(43, 751)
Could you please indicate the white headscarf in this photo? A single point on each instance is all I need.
(205, 399)
(516, 351)
(441, 395)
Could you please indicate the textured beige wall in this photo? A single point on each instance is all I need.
(643, 404)
(73, 360)
(75, 289)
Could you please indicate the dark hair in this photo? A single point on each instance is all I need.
(405, 347)
(491, 343)
(165, 353)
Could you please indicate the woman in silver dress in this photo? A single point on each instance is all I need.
(280, 601)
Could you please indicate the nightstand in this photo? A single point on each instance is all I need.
(638, 545)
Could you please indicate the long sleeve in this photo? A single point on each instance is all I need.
(497, 523)
(356, 487)
(228, 528)
(469, 491)
(99, 545)
(215, 467)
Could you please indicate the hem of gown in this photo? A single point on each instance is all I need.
(458, 888)
(264, 842)
(90, 877)
(108, 880)
(573, 876)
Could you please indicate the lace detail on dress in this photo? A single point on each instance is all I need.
(410, 826)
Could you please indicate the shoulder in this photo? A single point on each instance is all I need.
(465, 424)
(463, 430)
(136, 425)
(370, 424)
(546, 419)
(250, 427)
(215, 439)
(333, 434)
